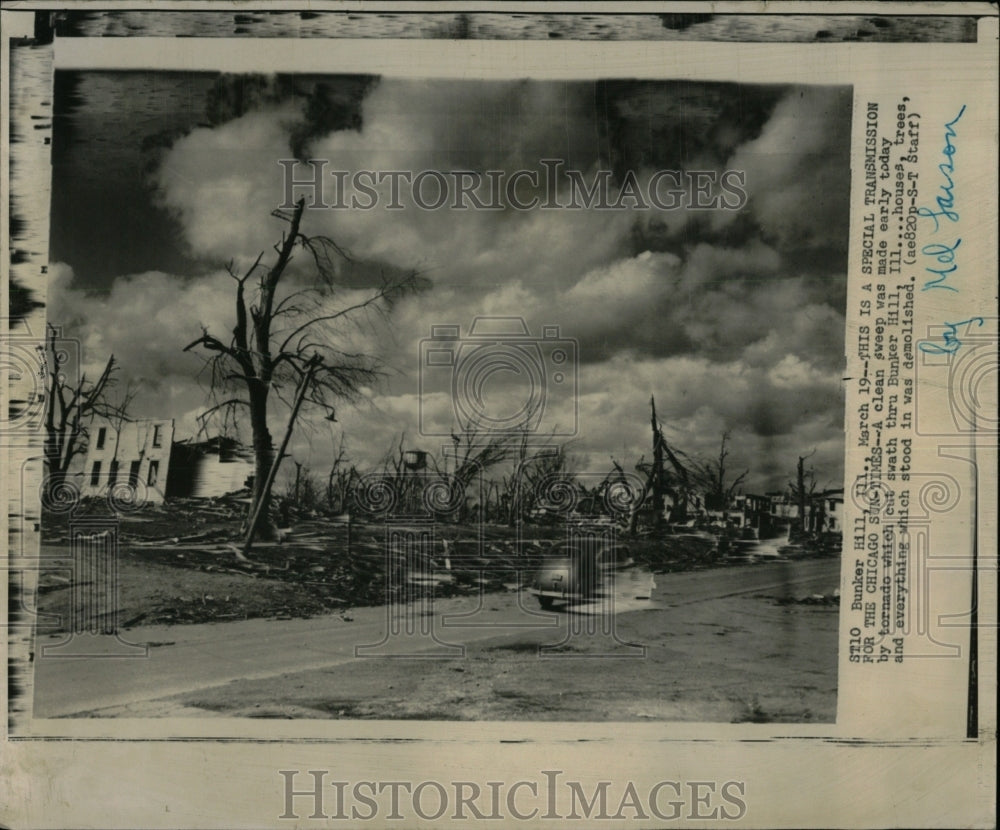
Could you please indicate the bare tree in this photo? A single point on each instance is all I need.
(298, 480)
(682, 486)
(70, 409)
(677, 481)
(289, 339)
(543, 465)
(534, 461)
(712, 477)
(492, 501)
(803, 490)
(339, 480)
(305, 492)
(471, 455)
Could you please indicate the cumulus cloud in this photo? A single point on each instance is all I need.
(145, 320)
(798, 169)
(722, 315)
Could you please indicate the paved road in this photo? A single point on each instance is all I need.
(186, 658)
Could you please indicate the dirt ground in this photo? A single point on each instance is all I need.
(733, 660)
(703, 648)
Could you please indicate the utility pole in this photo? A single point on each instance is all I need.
(657, 477)
(298, 478)
(801, 492)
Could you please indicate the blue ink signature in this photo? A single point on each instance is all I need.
(946, 201)
(945, 255)
(951, 341)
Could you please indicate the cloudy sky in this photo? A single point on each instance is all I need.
(733, 319)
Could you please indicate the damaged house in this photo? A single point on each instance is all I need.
(206, 469)
(145, 455)
(825, 512)
(136, 453)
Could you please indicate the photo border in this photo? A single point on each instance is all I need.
(681, 736)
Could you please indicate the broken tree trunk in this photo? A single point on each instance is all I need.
(265, 493)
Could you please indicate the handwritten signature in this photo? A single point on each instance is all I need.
(943, 255)
(951, 341)
(946, 201)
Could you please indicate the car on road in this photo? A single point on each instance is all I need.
(576, 572)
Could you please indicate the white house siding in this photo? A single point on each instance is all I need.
(144, 444)
(835, 515)
(213, 477)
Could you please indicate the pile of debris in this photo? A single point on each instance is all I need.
(319, 564)
(322, 564)
(327, 565)
(354, 553)
(682, 552)
(150, 520)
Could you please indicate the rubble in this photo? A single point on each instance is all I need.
(323, 564)
(680, 552)
(828, 600)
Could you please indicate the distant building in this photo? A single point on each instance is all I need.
(137, 454)
(835, 514)
(144, 455)
(826, 512)
(783, 506)
(753, 511)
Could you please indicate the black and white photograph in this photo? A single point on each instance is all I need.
(445, 399)
(534, 415)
